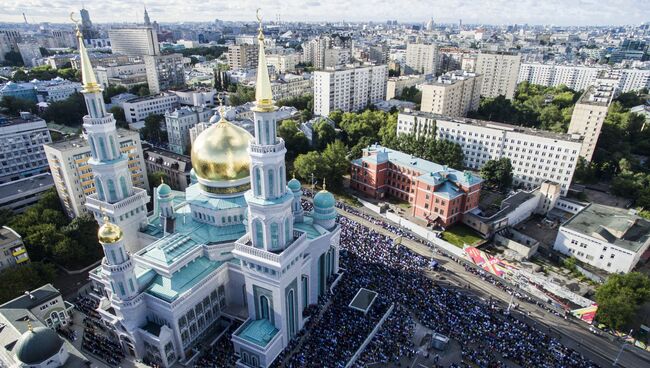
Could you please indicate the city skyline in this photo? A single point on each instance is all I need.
(580, 13)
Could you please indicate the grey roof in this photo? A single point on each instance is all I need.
(33, 299)
(617, 226)
(40, 182)
(37, 345)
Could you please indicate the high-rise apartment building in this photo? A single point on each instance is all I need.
(421, 58)
(175, 167)
(73, 176)
(349, 89)
(454, 94)
(313, 51)
(134, 41)
(395, 85)
(536, 155)
(589, 115)
(284, 63)
(500, 71)
(29, 51)
(164, 72)
(87, 29)
(178, 124)
(21, 147)
(242, 56)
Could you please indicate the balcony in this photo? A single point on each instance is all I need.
(271, 148)
(139, 196)
(245, 246)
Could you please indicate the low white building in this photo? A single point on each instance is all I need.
(137, 109)
(57, 89)
(126, 75)
(609, 238)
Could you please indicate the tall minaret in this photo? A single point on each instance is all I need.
(125, 205)
(270, 219)
(147, 21)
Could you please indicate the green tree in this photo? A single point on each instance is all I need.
(294, 139)
(304, 102)
(241, 95)
(620, 297)
(324, 134)
(152, 130)
(307, 164)
(155, 178)
(111, 91)
(336, 163)
(120, 118)
(13, 58)
(17, 280)
(13, 106)
(411, 94)
(6, 215)
(498, 174)
(69, 112)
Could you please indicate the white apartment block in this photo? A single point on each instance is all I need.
(242, 56)
(164, 72)
(536, 155)
(395, 85)
(21, 147)
(455, 94)
(350, 89)
(195, 97)
(609, 238)
(580, 77)
(73, 176)
(57, 89)
(126, 75)
(421, 58)
(500, 72)
(336, 57)
(137, 109)
(589, 115)
(283, 63)
(134, 41)
(178, 124)
(291, 85)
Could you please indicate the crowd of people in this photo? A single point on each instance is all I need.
(221, 354)
(95, 338)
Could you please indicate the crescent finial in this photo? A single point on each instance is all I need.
(257, 14)
(75, 21)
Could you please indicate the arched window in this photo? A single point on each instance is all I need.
(291, 312)
(265, 310)
(125, 189)
(102, 148)
(305, 291)
(93, 152)
(268, 135)
(100, 189)
(259, 131)
(287, 235)
(112, 194)
(271, 184)
(281, 179)
(93, 108)
(258, 181)
(275, 243)
(112, 140)
(259, 233)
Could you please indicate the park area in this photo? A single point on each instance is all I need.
(460, 234)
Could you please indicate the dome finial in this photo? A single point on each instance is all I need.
(222, 110)
(263, 92)
(324, 186)
(162, 179)
(29, 326)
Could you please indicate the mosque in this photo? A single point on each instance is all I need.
(235, 245)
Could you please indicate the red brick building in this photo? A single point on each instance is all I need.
(435, 192)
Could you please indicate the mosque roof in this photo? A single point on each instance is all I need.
(171, 288)
(260, 332)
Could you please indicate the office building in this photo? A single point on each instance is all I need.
(23, 91)
(195, 97)
(87, 30)
(175, 167)
(612, 239)
(395, 85)
(57, 89)
(418, 123)
(21, 147)
(454, 93)
(500, 72)
(291, 85)
(203, 263)
(137, 109)
(73, 176)
(350, 89)
(29, 323)
(125, 75)
(164, 72)
(439, 194)
(30, 52)
(134, 41)
(242, 56)
(589, 115)
(178, 123)
(536, 155)
(18, 195)
(12, 249)
(421, 58)
(284, 63)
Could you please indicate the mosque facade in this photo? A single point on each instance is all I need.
(235, 245)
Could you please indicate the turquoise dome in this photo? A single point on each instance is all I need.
(164, 190)
(36, 346)
(294, 185)
(324, 199)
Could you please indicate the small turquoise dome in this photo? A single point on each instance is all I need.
(294, 185)
(37, 345)
(164, 190)
(324, 199)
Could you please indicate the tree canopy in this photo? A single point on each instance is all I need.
(152, 130)
(12, 106)
(17, 280)
(498, 174)
(45, 72)
(620, 297)
(332, 164)
(239, 94)
(295, 140)
(69, 112)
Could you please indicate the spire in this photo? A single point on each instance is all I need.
(88, 78)
(263, 94)
(147, 21)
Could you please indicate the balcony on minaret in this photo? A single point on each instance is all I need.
(267, 148)
(278, 259)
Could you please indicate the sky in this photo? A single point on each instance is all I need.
(553, 12)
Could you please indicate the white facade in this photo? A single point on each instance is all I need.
(395, 85)
(178, 124)
(164, 72)
(21, 147)
(455, 94)
(284, 63)
(500, 72)
(57, 89)
(609, 238)
(138, 109)
(29, 51)
(134, 41)
(125, 75)
(589, 115)
(421, 58)
(349, 89)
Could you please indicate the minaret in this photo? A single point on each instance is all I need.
(270, 219)
(124, 204)
(147, 21)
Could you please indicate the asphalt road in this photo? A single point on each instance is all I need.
(603, 350)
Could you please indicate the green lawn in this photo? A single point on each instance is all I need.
(460, 234)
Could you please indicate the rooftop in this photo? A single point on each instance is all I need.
(80, 141)
(26, 185)
(32, 299)
(171, 288)
(600, 95)
(260, 332)
(617, 226)
(151, 98)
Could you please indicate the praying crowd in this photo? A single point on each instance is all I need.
(95, 338)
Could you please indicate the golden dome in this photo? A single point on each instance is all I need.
(109, 232)
(220, 153)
